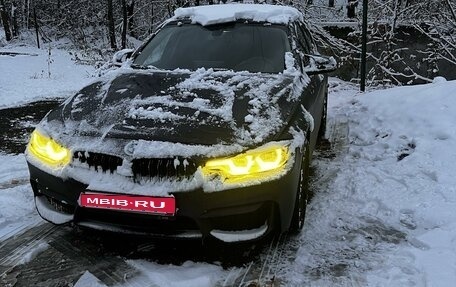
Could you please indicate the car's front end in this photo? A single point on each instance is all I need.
(206, 132)
(230, 198)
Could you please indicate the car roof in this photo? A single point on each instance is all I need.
(223, 13)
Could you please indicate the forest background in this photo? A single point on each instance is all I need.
(409, 41)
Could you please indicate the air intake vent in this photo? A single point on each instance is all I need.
(163, 168)
(98, 161)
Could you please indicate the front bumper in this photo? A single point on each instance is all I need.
(241, 214)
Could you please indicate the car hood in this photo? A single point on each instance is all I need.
(204, 107)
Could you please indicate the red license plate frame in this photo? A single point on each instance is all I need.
(130, 203)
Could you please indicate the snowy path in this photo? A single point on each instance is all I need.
(48, 255)
(268, 269)
(383, 213)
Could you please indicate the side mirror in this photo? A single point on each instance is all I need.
(318, 64)
(121, 56)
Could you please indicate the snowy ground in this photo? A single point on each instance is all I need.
(383, 212)
(34, 74)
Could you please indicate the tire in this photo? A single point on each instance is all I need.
(324, 116)
(299, 211)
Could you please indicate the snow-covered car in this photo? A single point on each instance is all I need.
(206, 131)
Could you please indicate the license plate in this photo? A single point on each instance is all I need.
(146, 204)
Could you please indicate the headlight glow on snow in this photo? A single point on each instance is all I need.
(48, 150)
(251, 165)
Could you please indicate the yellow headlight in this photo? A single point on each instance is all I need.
(48, 151)
(251, 165)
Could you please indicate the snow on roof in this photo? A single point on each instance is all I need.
(214, 14)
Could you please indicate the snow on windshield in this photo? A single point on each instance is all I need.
(215, 14)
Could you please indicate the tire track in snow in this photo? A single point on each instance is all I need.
(260, 272)
(14, 183)
(66, 258)
(345, 241)
(283, 248)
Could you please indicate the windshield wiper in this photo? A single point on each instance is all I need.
(137, 66)
(142, 67)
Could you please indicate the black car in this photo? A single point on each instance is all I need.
(206, 131)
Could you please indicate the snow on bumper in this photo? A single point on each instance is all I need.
(48, 212)
(242, 235)
(225, 213)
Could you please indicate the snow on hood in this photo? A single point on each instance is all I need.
(200, 109)
(214, 14)
(137, 114)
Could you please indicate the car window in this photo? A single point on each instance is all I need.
(156, 52)
(304, 42)
(307, 38)
(233, 46)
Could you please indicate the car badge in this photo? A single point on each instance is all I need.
(130, 148)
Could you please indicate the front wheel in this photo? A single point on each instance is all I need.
(299, 212)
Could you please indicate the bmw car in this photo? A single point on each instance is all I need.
(205, 131)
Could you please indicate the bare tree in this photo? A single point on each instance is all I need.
(92, 26)
(131, 22)
(124, 24)
(351, 8)
(5, 20)
(111, 27)
(35, 20)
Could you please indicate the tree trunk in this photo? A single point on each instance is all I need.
(152, 18)
(5, 20)
(15, 27)
(124, 24)
(111, 31)
(28, 14)
(131, 23)
(36, 28)
(170, 8)
(351, 9)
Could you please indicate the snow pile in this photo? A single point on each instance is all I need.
(153, 114)
(214, 14)
(384, 213)
(34, 252)
(187, 275)
(89, 280)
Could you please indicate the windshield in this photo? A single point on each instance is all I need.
(235, 46)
